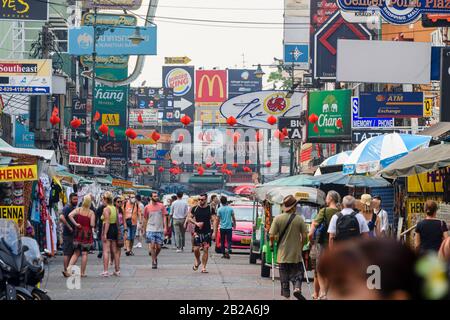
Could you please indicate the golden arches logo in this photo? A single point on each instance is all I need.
(211, 82)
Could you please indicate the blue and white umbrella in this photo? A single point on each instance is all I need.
(337, 159)
(378, 152)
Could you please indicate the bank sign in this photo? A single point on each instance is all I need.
(329, 118)
(397, 11)
(392, 104)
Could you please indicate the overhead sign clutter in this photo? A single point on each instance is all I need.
(27, 76)
(392, 104)
(85, 161)
(24, 10)
(122, 183)
(360, 122)
(177, 60)
(15, 213)
(397, 11)
(211, 87)
(18, 173)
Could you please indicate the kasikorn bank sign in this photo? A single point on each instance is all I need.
(397, 11)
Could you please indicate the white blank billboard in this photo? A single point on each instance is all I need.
(296, 29)
(399, 62)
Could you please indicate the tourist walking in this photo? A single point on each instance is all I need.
(179, 211)
(201, 216)
(372, 220)
(110, 235)
(83, 218)
(68, 229)
(155, 222)
(431, 231)
(132, 215)
(382, 215)
(289, 230)
(227, 222)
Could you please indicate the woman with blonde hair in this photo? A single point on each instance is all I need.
(373, 221)
(83, 218)
(110, 233)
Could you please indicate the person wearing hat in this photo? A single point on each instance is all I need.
(373, 221)
(289, 230)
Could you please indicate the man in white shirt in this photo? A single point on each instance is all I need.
(355, 224)
(382, 214)
(179, 210)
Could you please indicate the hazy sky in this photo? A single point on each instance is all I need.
(215, 44)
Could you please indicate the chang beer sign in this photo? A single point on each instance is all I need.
(397, 11)
(329, 116)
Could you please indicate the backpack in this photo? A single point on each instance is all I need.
(347, 226)
(321, 233)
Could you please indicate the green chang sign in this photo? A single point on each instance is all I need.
(329, 116)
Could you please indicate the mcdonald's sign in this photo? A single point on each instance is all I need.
(211, 87)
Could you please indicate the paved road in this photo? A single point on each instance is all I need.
(174, 279)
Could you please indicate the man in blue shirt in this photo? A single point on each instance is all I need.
(227, 223)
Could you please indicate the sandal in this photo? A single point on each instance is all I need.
(117, 273)
(66, 274)
(105, 274)
(195, 268)
(84, 275)
(204, 271)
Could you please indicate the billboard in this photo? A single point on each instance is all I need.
(241, 81)
(397, 62)
(296, 29)
(113, 4)
(392, 104)
(80, 111)
(297, 54)
(253, 109)
(296, 8)
(329, 118)
(114, 41)
(24, 10)
(181, 80)
(28, 76)
(293, 126)
(210, 87)
(85, 161)
(149, 118)
(23, 138)
(427, 182)
(361, 122)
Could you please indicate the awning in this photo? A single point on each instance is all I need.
(206, 179)
(41, 153)
(4, 161)
(437, 131)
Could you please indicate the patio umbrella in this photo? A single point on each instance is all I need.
(419, 161)
(297, 180)
(352, 180)
(378, 152)
(244, 190)
(337, 159)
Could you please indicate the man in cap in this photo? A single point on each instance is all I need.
(289, 230)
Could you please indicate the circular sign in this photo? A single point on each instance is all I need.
(180, 80)
(276, 103)
(397, 14)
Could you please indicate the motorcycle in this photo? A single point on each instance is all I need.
(19, 265)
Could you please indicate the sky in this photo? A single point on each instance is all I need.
(214, 44)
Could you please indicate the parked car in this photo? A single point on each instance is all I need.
(242, 233)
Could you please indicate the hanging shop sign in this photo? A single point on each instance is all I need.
(23, 138)
(241, 81)
(113, 41)
(18, 173)
(177, 60)
(122, 183)
(24, 10)
(359, 122)
(15, 213)
(210, 87)
(149, 118)
(428, 107)
(113, 20)
(392, 104)
(293, 125)
(427, 182)
(329, 116)
(252, 109)
(297, 54)
(28, 76)
(397, 11)
(85, 161)
(181, 80)
(113, 4)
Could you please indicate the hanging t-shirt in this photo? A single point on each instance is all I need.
(155, 213)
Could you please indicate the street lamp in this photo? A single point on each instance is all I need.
(136, 38)
(259, 73)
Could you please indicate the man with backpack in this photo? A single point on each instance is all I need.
(347, 224)
(319, 234)
(289, 230)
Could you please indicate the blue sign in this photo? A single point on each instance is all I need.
(358, 122)
(23, 137)
(436, 63)
(401, 12)
(392, 104)
(297, 54)
(25, 89)
(112, 41)
(242, 81)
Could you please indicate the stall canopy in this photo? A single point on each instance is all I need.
(306, 194)
(420, 161)
(48, 155)
(297, 180)
(439, 131)
(352, 180)
(337, 159)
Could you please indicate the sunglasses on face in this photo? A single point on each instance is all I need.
(202, 199)
(119, 202)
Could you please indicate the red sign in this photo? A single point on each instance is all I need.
(210, 87)
(83, 161)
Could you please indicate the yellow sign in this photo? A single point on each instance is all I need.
(143, 141)
(18, 173)
(301, 196)
(177, 60)
(14, 213)
(428, 107)
(210, 82)
(111, 119)
(122, 183)
(430, 182)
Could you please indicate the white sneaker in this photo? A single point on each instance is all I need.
(138, 245)
(178, 250)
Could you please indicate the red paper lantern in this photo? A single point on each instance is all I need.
(259, 135)
(75, 123)
(339, 123)
(316, 128)
(236, 137)
(231, 121)
(161, 169)
(148, 160)
(285, 131)
(140, 119)
(235, 165)
(271, 120)
(180, 138)
(174, 162)
(229, 172)
(208, 165)
(103, 129)
(186, 120)
(313, 118)
(268, 164)
(131, 134)
(247, 169)
(54, 120)
(96, 116)
(55, 111)
(112, 134)
(156, 136)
